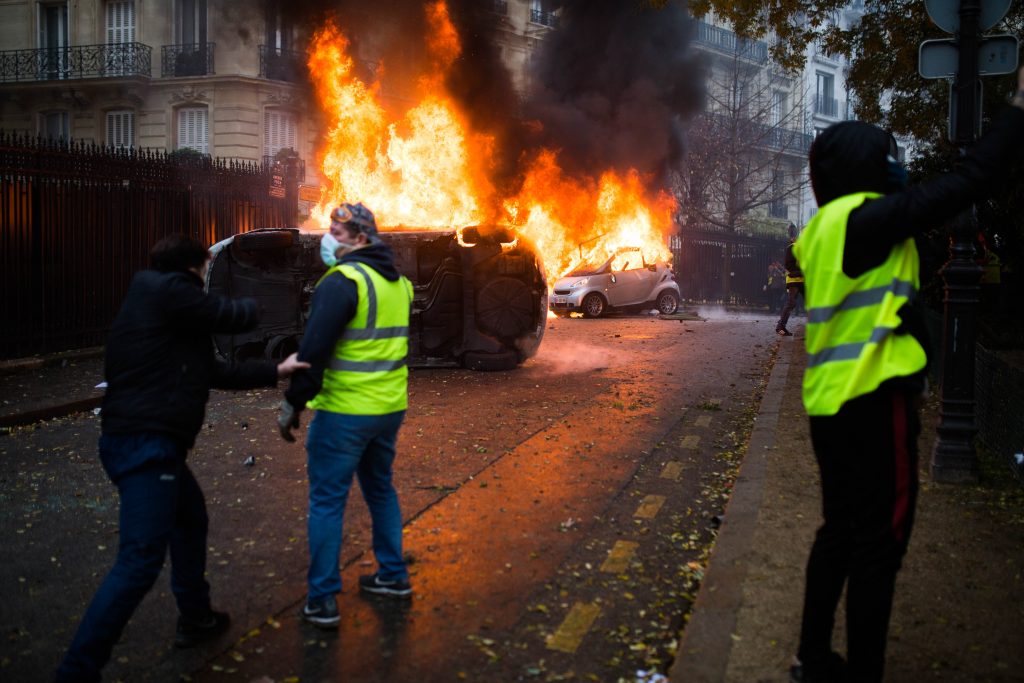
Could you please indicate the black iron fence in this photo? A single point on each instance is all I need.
(76, 221)
(112, 60)
(282, 65)
(723, 267)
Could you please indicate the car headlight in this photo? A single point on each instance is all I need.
(579, 283)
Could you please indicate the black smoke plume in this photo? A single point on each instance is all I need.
(613, 84)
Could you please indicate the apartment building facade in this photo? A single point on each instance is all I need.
(223, 78)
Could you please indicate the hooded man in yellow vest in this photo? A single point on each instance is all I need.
(356, 341)
(866, 363)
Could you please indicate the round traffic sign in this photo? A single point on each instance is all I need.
(946, 13)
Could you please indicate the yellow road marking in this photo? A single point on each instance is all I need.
(576, 624)
(649, 507)
(619, 557)
(703, 421)
(690, 441)
(672, 470)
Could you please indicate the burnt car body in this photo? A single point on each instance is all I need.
(479, 294)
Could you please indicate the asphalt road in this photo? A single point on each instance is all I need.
(557, 517)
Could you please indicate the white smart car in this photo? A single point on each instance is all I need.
(623, 282)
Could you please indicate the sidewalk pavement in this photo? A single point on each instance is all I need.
(959, 608)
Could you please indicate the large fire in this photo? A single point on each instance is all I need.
(423, 167)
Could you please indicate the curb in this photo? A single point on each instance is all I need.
(50, 412)
(706, 644)
(35, 362)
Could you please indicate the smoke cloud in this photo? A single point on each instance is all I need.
(613, 84)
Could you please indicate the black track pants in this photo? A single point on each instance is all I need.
(867, 455)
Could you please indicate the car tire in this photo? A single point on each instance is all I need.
(490, 362)
(593, 305)
(668, 303)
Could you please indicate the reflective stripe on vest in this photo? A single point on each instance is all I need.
(851, 342)
(367, 373)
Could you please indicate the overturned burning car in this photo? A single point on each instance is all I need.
(479, 294)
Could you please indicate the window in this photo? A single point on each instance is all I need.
(778, 111)
(120, 22)
(193, 129)
(121, 128)
(278, 132)
(279, 30)
(824, 99)
(55, 125)
(53, 38)
(120, 33)
(191, 22)
(777, 206)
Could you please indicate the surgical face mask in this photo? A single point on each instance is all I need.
(328, 247)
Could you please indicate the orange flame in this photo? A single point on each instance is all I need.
(426, 168)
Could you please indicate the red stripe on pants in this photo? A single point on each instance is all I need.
(901, 463)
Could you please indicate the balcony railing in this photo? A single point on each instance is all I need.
(282, 65)
(726, 41)
(189, 59)
(786, 140)
(539, 16)
(826, 106)
(116, 60)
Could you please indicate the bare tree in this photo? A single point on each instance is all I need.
(747, 152)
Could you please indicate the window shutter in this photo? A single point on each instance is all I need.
(278, 132)
(121, 128)
(193, 129)
(121, 22)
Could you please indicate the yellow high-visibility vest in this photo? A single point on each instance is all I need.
(367, 373)
(851, 342)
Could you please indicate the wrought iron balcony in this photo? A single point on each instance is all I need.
(189, 59)
(115, 60)
(785, 140)
(726, 41)
(539, 16)
(282, 65)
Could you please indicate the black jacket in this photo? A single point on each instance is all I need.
(160, 363)
(333, 306)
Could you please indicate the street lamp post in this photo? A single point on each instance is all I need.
(954, 458)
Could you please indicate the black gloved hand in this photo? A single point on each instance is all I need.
(287, 420)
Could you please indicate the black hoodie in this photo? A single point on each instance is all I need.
(334, 305)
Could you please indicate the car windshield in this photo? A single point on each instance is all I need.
(584, 269)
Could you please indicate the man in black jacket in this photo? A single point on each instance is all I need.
(160, 367)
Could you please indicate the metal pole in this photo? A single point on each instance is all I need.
(954, 458)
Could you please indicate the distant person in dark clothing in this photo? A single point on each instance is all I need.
(159, 369)
(866, 367)
(776, 286)
(794, 285)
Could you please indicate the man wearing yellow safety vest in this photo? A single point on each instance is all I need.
(356, 341)
(866, 362)
(794, 285)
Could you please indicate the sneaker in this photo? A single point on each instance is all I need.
(322, 612)
(192, 632)
(378, 586)
(783, 332)
(832, 670)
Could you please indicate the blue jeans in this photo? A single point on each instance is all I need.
(161, 506)
(339, 446)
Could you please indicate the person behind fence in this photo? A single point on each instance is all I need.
(866, 368)
(776, 286)
(356, 340)
(159, 369)
(794, 285)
